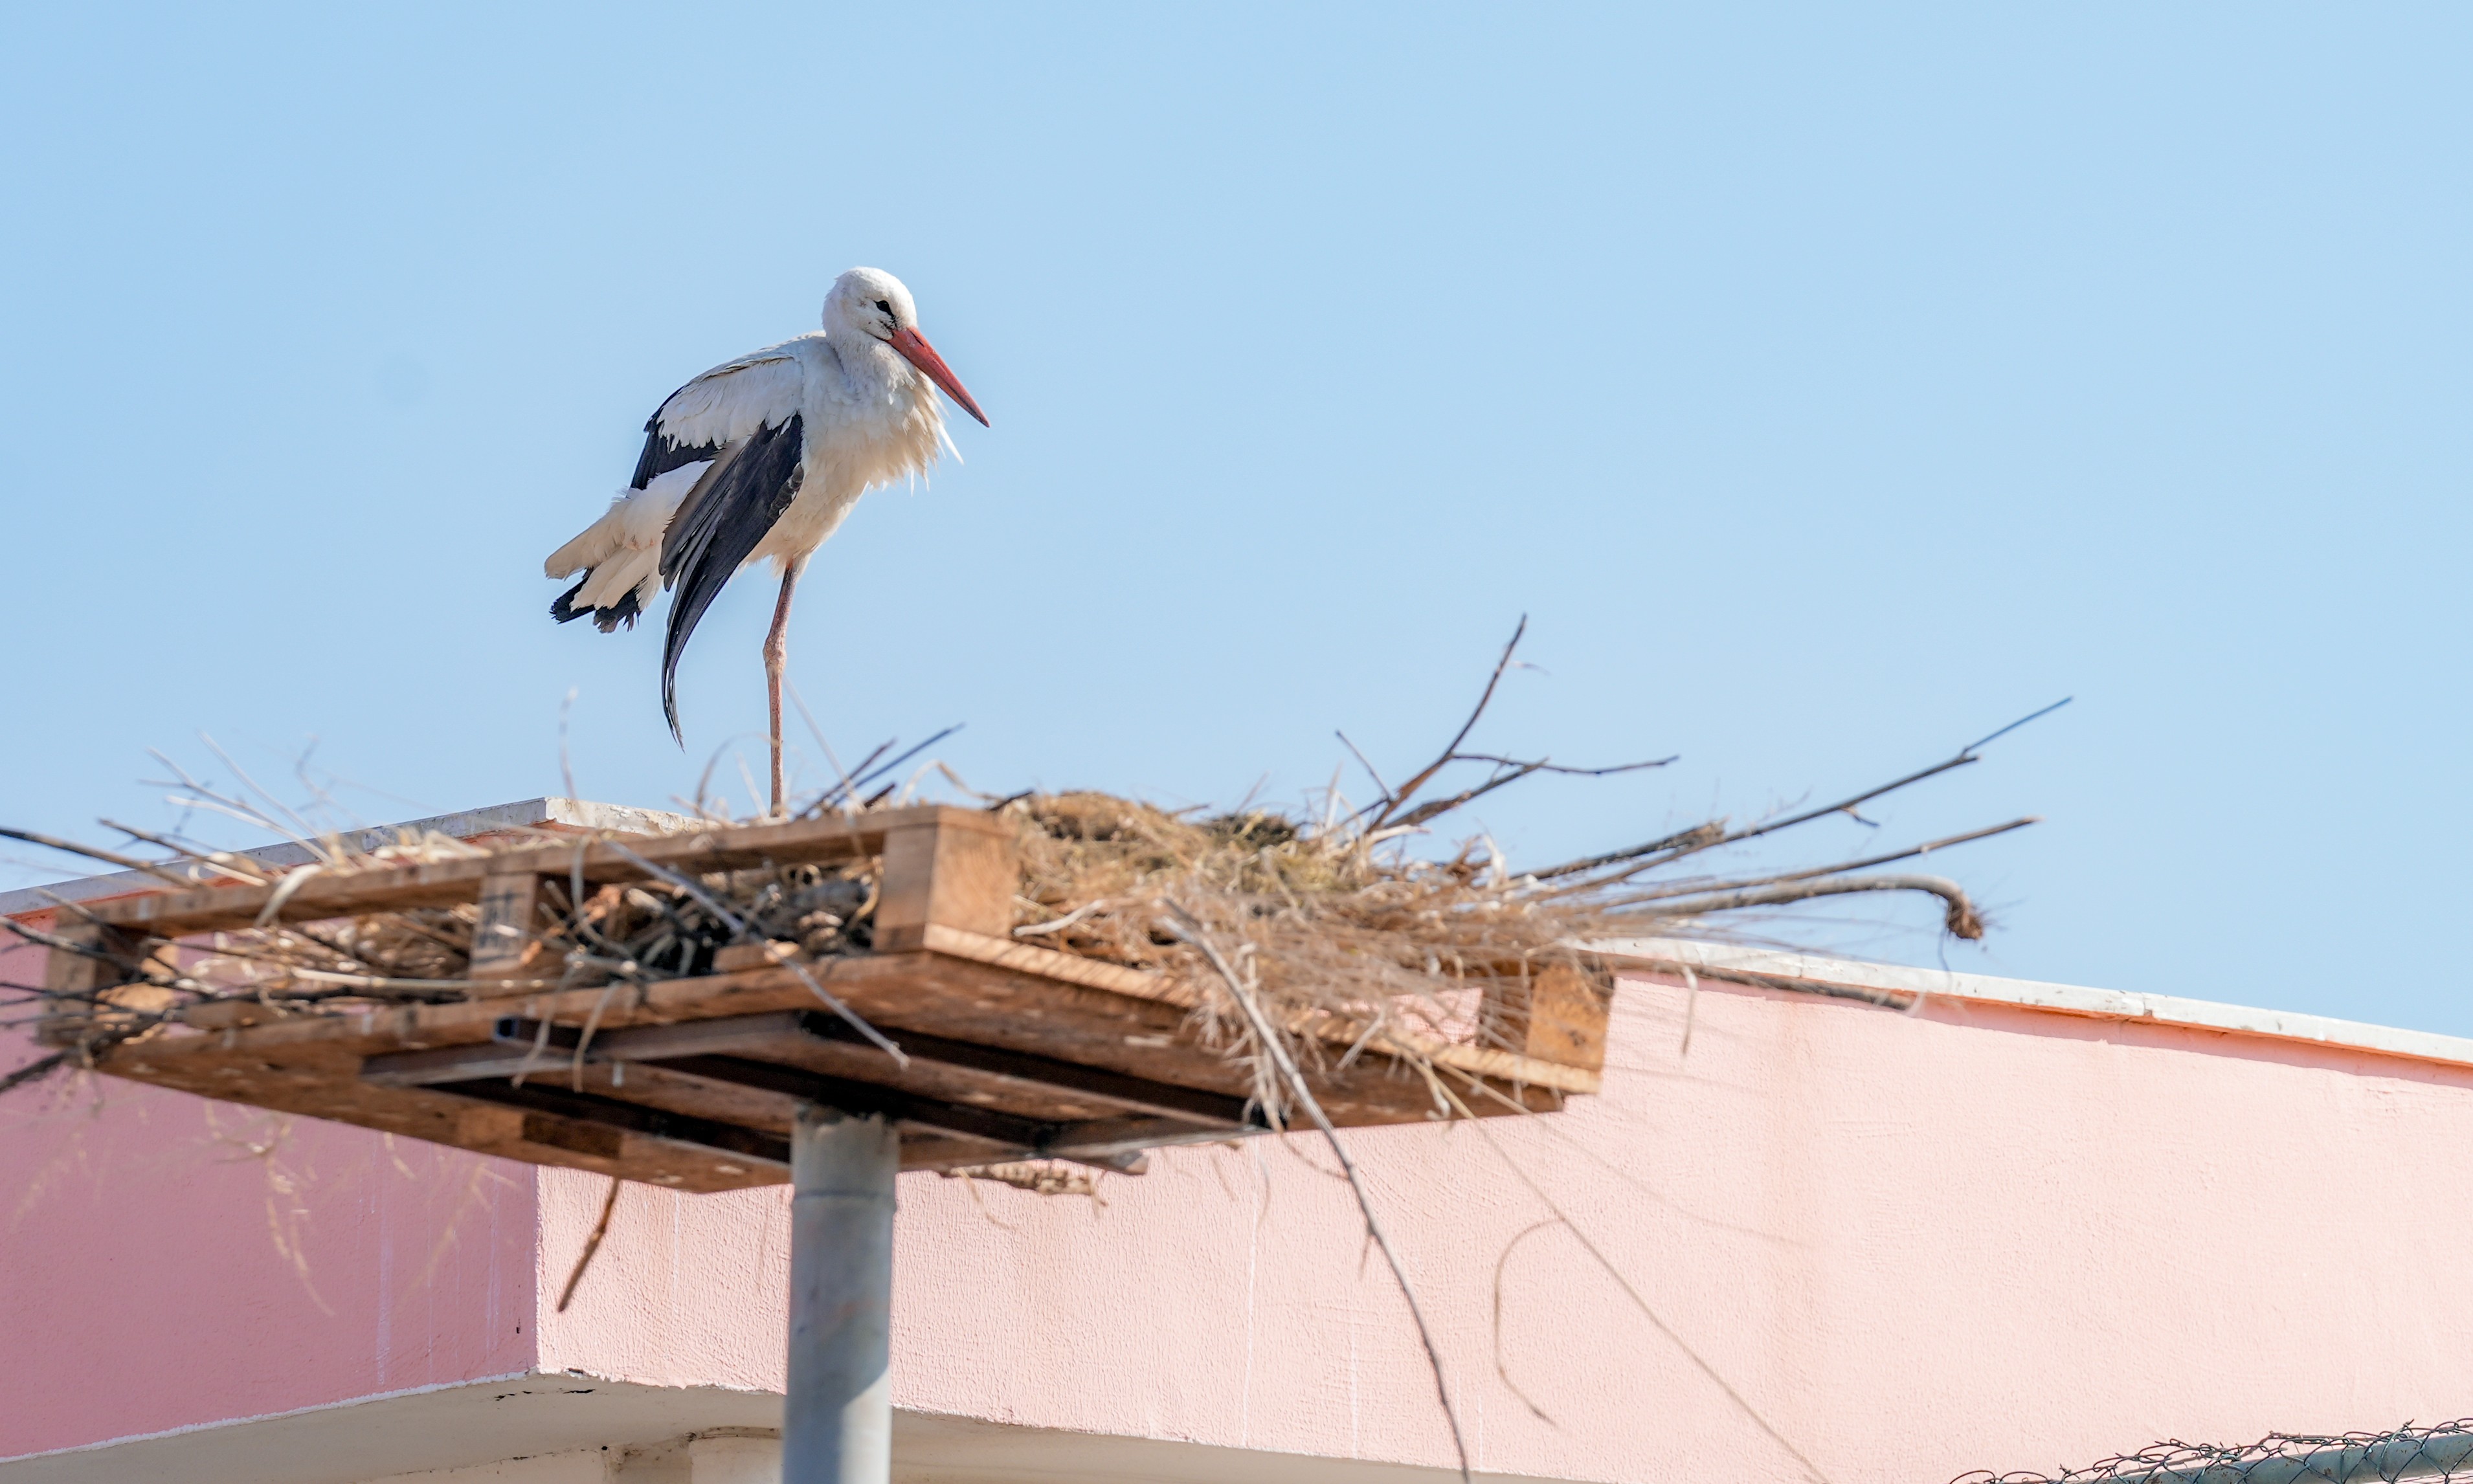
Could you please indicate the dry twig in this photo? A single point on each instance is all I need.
(591, 1244)
(1183, 924)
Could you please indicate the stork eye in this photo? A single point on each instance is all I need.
(886, 307)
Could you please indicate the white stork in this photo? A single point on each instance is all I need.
(762, 457)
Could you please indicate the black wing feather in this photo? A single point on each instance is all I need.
(664, 453)
(717, 526)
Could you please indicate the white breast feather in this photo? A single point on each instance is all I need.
(872, 419)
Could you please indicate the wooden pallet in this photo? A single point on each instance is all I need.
(1014, 1051)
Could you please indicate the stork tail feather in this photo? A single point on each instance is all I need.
(607, 618)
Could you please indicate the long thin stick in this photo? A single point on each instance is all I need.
(1960, 916)
(1687, 889)
(107, 857)
(1409, 788)
(1827, 987)
(566, 761)
(57, 944)
(1186, 926)
(1673, 848)
(891, 763)
(591, 1244)
(1624, 1284)
(1362, 763)
(35, 1070)
(818, 732)
(245, 871)
(746, 934)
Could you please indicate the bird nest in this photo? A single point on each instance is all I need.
(1278, 922)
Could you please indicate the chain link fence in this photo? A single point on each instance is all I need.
(2443, 1450)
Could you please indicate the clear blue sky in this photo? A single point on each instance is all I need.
(1832, 384)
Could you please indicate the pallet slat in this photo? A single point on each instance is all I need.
(1013, 1050)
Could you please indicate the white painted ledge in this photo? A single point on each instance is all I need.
(571, 1429)
(2058, 998)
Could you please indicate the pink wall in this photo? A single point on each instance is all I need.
(166, 1262)
(1914, 1245)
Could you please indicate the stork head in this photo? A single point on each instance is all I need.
(873, 302)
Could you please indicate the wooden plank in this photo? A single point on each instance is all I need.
(1509, 1065)
(934, 1070)
(1008, 1069)
(984, 1076)
(1556, 1016)
(652, 1086)
(506, 941)
(75, 973)
(595, 1122)
(1107, 1051)
(445, 884)
(231, 908)
(965, 1001)
(1005, 951)
(1107, 1141)
(1101, 1140)
(941, 874)
(72, 982)
(728, 1152)
(740, 957)
(82, 993)
(315, 1077)
(991, 1124)
(607, 1119)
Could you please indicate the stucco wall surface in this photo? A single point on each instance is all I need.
(1900, 1245)
(167, 1261)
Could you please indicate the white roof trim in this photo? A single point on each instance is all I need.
(2059, 998)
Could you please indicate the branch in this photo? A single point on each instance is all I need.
(1602, 1260)
(1409, 790)
(1508, 770)
(1185, 926)
(1543, 766)
(35, 1070)
(801, 702)
(107, 857)
(1925, 849)
(59, 945)
(1367, 766)
(1442, 807)
(238, 868)
(1885, 998)
(747, 934)
(591, 1244)
(1674, 848)
(870, 775)
(1960, 918)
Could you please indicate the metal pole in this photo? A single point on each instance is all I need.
(837, 1419)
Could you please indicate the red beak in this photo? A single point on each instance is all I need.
(915, 348)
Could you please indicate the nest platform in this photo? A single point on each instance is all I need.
(1014, 1051)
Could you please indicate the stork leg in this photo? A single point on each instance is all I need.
(776, 655)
